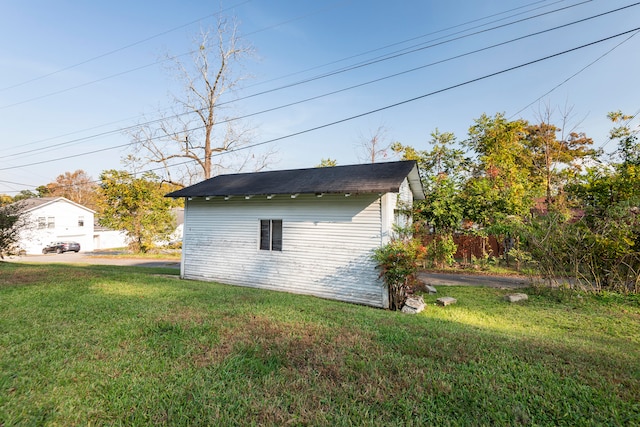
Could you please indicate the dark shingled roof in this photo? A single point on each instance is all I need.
(366, 178)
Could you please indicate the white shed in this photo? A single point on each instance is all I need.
(52, 219)
(308, 231)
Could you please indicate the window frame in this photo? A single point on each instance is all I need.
(270, 235)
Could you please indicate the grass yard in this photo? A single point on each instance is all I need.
(106, 345)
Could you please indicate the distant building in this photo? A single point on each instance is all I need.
(52, 219)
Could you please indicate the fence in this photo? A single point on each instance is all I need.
(469, 246)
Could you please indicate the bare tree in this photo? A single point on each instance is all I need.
(197, 133)
(374, 147)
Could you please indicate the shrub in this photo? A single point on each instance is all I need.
(398, 262)
(598, 252)
(441, 250)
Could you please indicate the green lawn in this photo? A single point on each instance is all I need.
(106, 345)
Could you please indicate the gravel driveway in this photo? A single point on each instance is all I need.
(435, 279)
(440, 279)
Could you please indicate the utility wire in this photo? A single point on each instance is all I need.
(359, 65)
(120, 49)
(256, 94)
(343, 89)
(414, 49)
(574, 74)
(407, 101)
(142, 67)
(415, 38)
(397, 104)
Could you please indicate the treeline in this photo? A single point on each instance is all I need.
(556, 202)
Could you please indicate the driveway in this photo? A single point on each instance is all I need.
(441, 279)
(435, 279)
(89, 258)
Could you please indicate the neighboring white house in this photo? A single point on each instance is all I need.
(52, 219)
(309, 231)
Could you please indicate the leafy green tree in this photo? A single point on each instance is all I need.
(136, 206)
(327, 163)
(24, 195)
(616, 180)
(443, 170)
(501, 183)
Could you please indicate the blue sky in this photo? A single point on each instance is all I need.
(73, 73)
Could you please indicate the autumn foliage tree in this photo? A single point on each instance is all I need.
(77, 186)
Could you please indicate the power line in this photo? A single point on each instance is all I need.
(415, 49)
(378, 59)
(433, 93)
(328, 93)
(394, 105)
(416, 38)
(120, 49)
(142, 67)
(574, 74)
(291, 85)
(58, 92)
(407, 101)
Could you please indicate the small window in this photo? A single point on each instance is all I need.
(271, 234)
(51, 222)
(80, 221)
(42, 222)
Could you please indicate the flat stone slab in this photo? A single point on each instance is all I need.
(444, 301)
(430, 289)
(516, 297)
(413, 305)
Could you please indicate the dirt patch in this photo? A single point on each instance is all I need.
(299, 347)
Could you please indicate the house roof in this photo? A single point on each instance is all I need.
(364, 178)
(34, 203)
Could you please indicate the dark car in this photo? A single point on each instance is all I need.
(61, 247)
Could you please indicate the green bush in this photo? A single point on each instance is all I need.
(440, 250)
(599, 252)
(398, 262)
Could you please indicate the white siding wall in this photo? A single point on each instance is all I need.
(327, 245)
(65, 217)
(393, 206)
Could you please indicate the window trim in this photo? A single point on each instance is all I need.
(270, 235)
